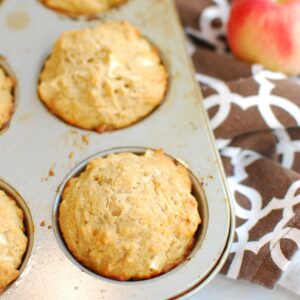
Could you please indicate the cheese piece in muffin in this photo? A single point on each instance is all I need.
(13, 241)
(104, 78)
(6, 98)
(82, 7)
(130, 216)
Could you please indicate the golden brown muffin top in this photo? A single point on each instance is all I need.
(130, 216)
(82, 7)
(13, 241)
(103, 78)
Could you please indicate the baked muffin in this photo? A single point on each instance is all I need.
(104, 78)
(82, 7)
(130, 216)
(6, 98)
(13, 241)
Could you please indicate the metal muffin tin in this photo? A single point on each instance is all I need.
(39, 153)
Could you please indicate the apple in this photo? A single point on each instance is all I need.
(266, 32)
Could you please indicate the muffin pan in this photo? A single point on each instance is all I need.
(38, 151)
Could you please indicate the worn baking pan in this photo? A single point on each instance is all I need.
(39, 153)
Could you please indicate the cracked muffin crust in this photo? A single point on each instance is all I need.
(13, 241)
(130, 216)
(6, 98)
(82, 7)
(103, 78)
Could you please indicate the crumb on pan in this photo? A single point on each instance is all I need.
(85, 139)
(51, 172)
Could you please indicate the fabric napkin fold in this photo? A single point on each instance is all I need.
(255, 115)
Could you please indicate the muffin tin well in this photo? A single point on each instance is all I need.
(81, 123)
(38, 150)
(197, 191)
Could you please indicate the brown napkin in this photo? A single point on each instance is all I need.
(255, 115)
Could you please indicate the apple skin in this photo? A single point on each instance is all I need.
(266, 32)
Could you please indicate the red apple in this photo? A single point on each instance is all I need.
(266, 32)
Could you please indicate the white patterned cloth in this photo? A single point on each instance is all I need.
(255, 115)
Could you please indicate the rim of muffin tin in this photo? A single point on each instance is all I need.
(28, 224)
(15, 90)
(200, 196)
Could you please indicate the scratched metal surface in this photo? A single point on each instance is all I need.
(36, 142)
